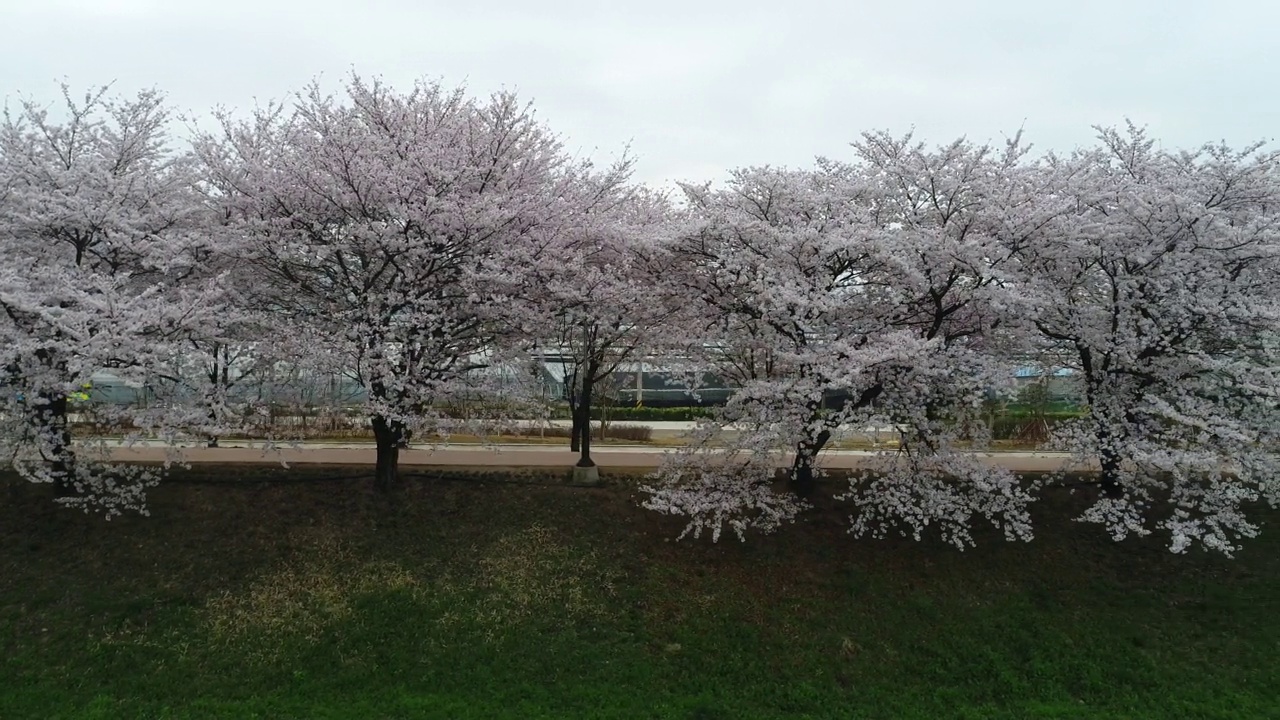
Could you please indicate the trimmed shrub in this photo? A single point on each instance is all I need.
(654, 414)
(635, 433)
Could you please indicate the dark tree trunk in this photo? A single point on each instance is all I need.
(575, 433)
(583, 430)
(220, 377)
(48, 412)
(55, 430)
(575, 401)
(1109, 479)
(1109, 460)
(584, 413)
(391, 437)
(803, 481)
(213, 439)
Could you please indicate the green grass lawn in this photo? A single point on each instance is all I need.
(460, 599)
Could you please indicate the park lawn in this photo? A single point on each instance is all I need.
(459, 599)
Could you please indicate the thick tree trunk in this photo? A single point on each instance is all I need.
(803, 480)
(48, 413)
(212, 440)
(1109, 478)
(583, 424)
(584, 412)
(1109, 460)
(391, 437)
(575, 433)
(55, 432)
(218, 374)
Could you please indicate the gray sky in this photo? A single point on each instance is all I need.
(700, 87)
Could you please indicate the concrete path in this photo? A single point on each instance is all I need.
(612, 457)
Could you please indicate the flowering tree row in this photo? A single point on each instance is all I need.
(909, 280)
(428, 244)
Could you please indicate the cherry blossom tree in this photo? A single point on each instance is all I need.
(386, 226)
(952, 221)
(773, 262)
(100, 268)
(1160, 281)
(849, 294)
(226, 369)
(593, 300)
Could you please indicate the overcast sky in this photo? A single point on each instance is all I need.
(700, 87)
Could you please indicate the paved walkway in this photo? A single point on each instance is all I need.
(609, 457)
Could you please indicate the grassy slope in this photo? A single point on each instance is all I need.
(320, 600)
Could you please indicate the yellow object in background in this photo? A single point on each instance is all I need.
(83, 395)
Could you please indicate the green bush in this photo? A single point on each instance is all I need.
(641, 414)
(636, 433)
(654, 414)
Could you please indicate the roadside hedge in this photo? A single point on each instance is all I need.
(636, 414)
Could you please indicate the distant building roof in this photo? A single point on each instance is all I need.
(1034, 372)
